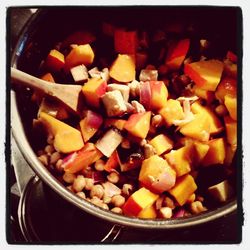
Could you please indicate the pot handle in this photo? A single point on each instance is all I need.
(113, 234)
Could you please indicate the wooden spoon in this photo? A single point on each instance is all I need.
(66, 93)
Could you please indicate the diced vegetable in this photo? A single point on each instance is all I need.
(112, 162)
(127, 64)
(78, 161)
(221, 191)
(172, 111)
(231, 105)
(185, 186)
(231, 130)
(92, 90)
(117, 123)
(180, 160)
(216, 153)
(145, 94)
(82, 54)
(109, 142)
(138, 124)
(55, 60)
(159, 95)
(125, 41)
(148, 75)
(177, 53)
(161, 143)
(148, 213)
(124, 89)
(227, 86)
(205, 74)
(79, 73)
(156, 175)
(138, 201)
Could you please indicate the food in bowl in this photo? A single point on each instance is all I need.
(156, 136)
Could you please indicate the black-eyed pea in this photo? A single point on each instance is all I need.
(156, 120)
(89, 183)
(44, 159)
(54, 157)
(59, 167)
(106, 199)
(49, 149)
(96, 201)
(69, 178)
(166, 212)
(79, 183)
(81, 195)
(118, 200)
(50, 139)
(117, 210)
(197, 207)
(113, 177)
(97, 190)
(99, 165)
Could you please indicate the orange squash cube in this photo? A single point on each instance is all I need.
(177, 53)
(180, 160)
(198, 129)
(215, 124)
(159, 94)
(118, 123)
(148, 213)
(216, 153)
(123, 68)
(205, 74)
(227, 86)
(92, 90)
(82, 54)
(231, 105)
(156, 175)
(55, 60)
(138, 124)
(172, 111)
(125, 41)
(200, 151)
(231, 131)
(138, 201)
(230, 153)
(161, 143)
(204, 94)
(185, 186)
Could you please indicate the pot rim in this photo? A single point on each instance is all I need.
(18, 132)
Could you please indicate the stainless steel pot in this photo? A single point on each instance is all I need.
(46, 27)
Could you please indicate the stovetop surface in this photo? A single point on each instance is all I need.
(42, 217)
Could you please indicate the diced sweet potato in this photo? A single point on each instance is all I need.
(198, 128)
(161, 143)
(200, 151)
(112, 162)
(82, 54)
(216, 153)
(231, 130)
(118, 123)
(125, 41)
(127, 64)
(177, 53)
(185, 186)
(180, 160)
(215, 124)
(148, 213)
(92, 90)
(156, 175)
(204, 94)
(138, 124)
(55, 60)
(138, 201)
(231, 105)
(159, 94)
(205, 74)
(227, 86)
(172, 111)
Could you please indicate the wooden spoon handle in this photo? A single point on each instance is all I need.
(29, 80)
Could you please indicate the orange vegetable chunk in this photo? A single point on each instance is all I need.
(55, 60)
(138, 124)
(123, 68)
(138, 201)
(185, 186)
(205, 74)
(161, 143)
(159, 94)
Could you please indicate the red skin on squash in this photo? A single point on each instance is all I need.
(199, 81)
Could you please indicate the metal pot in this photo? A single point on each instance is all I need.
(50, 25)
